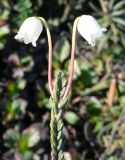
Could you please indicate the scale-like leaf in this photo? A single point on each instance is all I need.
(119, 5)
(118, 13)
(119, 21)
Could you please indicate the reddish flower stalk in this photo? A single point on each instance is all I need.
(72, 58)
(50, 56)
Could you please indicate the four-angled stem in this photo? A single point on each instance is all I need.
(56, 124)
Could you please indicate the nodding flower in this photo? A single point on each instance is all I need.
(86, 25)
(89, 29)
(30, 31)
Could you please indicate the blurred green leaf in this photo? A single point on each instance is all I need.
(118, 13)
(103, 41)
(122, 101)
(11, 137)
(26, 59)
(16, 107)
(21, 84)
(119, 21)
(23, 143)
(33, 136)
(119, 5)
(121, 86)
(95, 8)
(14, 87)
(77, 69)
(71, 117)
(62, 50)
(27, 155)
(25, 9)
(42, 98)
(93, 107)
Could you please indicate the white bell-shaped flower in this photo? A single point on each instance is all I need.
(89, 29)
(30, 31)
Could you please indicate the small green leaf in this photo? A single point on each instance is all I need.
(71, 117)
(16, 107)
(10, 138)
(121, 86)
(19, 105)
(26, 59)
(93, 106)
(23, 143)
(33, 135)
(27, 155)
(62, 50)
(21, 84)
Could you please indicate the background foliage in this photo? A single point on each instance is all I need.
(94, 117)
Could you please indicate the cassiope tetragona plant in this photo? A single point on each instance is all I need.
(29, 32)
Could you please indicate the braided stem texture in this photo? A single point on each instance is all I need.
(56, 124)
